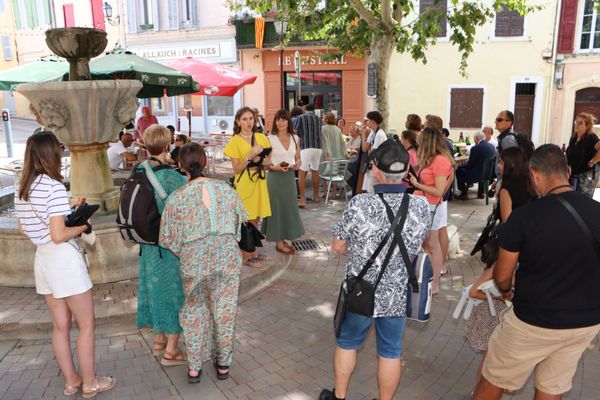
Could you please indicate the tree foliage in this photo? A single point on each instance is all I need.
(352, 26)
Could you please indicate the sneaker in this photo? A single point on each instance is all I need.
(327, 394)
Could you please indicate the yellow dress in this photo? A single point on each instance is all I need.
(252, 190)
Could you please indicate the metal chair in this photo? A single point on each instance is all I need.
(336, 174)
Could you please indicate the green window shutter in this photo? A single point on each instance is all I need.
(46, 12)
(30, 10)
(16, 13)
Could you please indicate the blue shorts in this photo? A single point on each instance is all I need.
(388, 330)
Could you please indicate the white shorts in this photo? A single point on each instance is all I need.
(60, 270)
(311, 158)
(440, 218)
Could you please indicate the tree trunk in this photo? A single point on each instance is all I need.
(382, 48)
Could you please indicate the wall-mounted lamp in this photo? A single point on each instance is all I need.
(559, 71)
(108, 13)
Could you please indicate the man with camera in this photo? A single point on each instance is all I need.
(364, 230)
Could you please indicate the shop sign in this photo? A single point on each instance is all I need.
(200, 51)
(372, 80)
(313, 59)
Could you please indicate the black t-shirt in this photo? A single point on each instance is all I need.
(580, 153)
(519, 195)
(557, 283)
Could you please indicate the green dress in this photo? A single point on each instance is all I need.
(160, 293)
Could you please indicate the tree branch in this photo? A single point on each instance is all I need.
(398, 12)
(386, 15)
(365, 14)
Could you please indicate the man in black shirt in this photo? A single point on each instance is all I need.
(556, 300)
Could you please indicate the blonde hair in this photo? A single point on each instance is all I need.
(156, 138)
(589, 121)
(431, 144)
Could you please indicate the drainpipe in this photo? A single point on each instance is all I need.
(551, 98)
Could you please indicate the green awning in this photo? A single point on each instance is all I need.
(46, 69)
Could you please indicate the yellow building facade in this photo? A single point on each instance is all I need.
(510, 68)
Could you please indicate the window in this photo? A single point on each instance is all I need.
(509, 23)
(183, 14)
(466, 107)
(590, 28)
(436, 6)
(31, 13)
(221, 106)
(6, 48)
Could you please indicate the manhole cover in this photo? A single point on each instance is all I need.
(307, 244)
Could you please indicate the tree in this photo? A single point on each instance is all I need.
(384, 26)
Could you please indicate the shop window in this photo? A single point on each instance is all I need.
(589, 39)
(440, 6)
(466, 108)
(221, 106)
(321, 88)
(188, 101)
(509, 23)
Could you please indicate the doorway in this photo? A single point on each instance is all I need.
(524, 108)
(322, 89)
(588, 100)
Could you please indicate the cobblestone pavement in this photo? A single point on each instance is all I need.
(285, 342)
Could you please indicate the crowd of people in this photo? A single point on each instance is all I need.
(189, 281)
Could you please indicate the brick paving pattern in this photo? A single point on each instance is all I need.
(285, 343)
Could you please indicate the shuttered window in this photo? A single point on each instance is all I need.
(568, 21)
(6, 48)
(97, 14)
(439, 5)
(509, 23)
(466, 108)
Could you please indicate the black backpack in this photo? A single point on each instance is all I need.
(523, 142)
(138, 217)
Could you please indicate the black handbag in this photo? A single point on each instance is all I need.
(356, 294)
(250, 237)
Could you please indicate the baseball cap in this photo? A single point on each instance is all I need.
(390, 157)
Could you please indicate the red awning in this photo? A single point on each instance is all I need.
(214, 79)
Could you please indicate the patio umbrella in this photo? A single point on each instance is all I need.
(46, 69)
(157, 78)
(214, 79)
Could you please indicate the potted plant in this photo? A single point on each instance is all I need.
(146, 27)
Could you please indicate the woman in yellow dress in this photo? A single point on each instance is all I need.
(250, 181)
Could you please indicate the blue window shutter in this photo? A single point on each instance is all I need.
(6, 48)
(132, 26)
(194, 11)
(173, 14)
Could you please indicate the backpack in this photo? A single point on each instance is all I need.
(523, 142)
(138, 216)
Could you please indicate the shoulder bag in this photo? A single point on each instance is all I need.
(356, 294)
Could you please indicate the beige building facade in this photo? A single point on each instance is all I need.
(510, 68)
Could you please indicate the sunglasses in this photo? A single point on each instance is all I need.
(501, 119)
(579, 122)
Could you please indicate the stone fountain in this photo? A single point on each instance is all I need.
(85, 115)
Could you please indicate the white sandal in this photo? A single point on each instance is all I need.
(103, 384)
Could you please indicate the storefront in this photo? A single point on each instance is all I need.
(336, 85)
(209, 113)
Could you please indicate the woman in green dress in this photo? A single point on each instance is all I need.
(201, 224)
(284, 222)
(334, 147)
(160, 294)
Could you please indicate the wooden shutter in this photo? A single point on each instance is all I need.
(439, 5)
(16, 13)
(6, 48)
(30, 10)
(509, 23)
(194, 11)
(566, 31)
(466, 107)
(69, 15)
(173, 14)
(97, 14)
(132, 26)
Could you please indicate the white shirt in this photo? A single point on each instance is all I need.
(48, 198)
(115, 154)
(376, 138)
(279, 154)
(353, 143)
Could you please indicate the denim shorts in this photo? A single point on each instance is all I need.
(388, 330)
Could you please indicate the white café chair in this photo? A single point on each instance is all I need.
(336, 175)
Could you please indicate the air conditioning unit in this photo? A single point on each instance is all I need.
(223, 125)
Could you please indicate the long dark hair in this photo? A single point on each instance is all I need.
(42, 156)
(236, 127)
(282, 114)
(516, 168)
(192, 159)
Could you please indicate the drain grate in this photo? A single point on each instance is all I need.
(306, 244)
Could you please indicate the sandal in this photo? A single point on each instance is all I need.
(285, 250)
(221, 375)
(262, 257)
(103, 384)
(290, 247)
(71, 390)
(158, 347)
(171, 359)
(253, 263)
(194, 379)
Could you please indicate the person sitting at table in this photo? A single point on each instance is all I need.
(120, 150)
(180, 140)
(471, 171)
